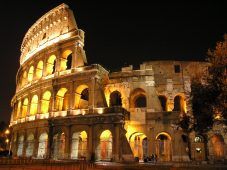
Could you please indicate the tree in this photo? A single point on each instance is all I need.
(209, 93)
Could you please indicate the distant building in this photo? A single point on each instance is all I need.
(66, 109)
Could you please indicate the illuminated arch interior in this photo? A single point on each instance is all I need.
(24, 78)
(139, 144)
(18, 109)
(66, 60)
(104, 149)
(30, 74)
(30, 145)
(50, 67)
(62, 99)
(39, 70)
(20, 145)
(24, 107)
(45, 102)
(42, 148)
(81, 97)
(163, 146)
(79, 145)
(34, 105)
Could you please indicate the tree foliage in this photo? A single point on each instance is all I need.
(209, 94)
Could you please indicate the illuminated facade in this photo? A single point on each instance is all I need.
(66, 109)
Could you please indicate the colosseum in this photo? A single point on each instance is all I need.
(65, 108)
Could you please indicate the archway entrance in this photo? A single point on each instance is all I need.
(30, 145)
(79, 145)
(20, 146)
(163, 147)
(42, 148)
(139, 145)
(59, 146)
(218, 146)
(105, 147)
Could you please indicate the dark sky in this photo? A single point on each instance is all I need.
(117, 32)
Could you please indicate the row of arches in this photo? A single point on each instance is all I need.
(43, 105)
(138, 99)
(46, 67)
(78, 146)
(163, 146)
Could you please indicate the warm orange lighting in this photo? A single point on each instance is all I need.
(83, 135)
(50, 64)
(39, 70)
(45, 102)
(7, 131)
(105, 135)
(30, 74)
(34, 105)
(7, 140)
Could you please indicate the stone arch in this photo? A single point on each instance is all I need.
(115, 98)
(42, 146)
(24, 78)
(51, 65)
(163, 102)
(30, 145)
(62, 99)
(138, 98)
(139, 144)
(39, 69)
(79, 145)
(45, 102)
(18, 109)
(81, 97)
(59, 145)
(24, 108)
(66, 62)
(105, 146)
(20, 146)
(179, 103)
(163, 145)
(30, 74)
(218, 145)
(34, 105)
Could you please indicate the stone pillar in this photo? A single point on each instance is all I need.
(68, 140)
(25, 144)
(91, 149)
(50, 141)
(116, 143)
(36, 143)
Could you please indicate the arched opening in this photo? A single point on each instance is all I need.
(163, 101)
(115, 99)
(45, 103)
(20, 146)
(18, 110)
(62, 99)
(51, 62)
(30, 74)
(24, 78)
(139, 145)
(105, 147)
(82, 97)
(24, 108)
(163, 147)
(30, 145)
(66, 61)
(42, 148)
(79, 145)
(218, 145)
(138, 98)
(179, 104)
(39, 70)
(34, 105)
(59, 146)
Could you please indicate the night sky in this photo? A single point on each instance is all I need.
(117, 33)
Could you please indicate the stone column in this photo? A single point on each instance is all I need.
(25, 144)
(91, 149)
(116, 143)
(36, 143)
(68, 143)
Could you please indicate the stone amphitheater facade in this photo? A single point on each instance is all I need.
(64, 108)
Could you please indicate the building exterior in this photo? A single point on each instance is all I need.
(66, 109)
